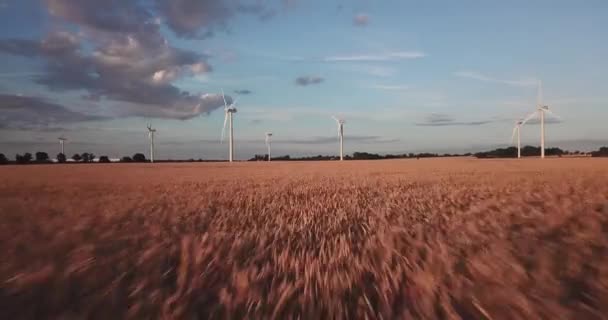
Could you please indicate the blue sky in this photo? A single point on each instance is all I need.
(408, 76)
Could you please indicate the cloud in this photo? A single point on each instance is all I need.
(308, 80)
(19, 112)
(243, 91)
(193, 107)
(361, 20)
(200, 18)
(118, 55)
(442, 120)
(334, 139)
(387, 56)
(187, 17)
(526, 82)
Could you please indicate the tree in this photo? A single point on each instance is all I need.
(3, 159)
(139, 157)
(25, 158)
(602, 152)
(104, 159)
(76, 157)
(61, 157)
(87, 157)
(42, 157)
(126, 159)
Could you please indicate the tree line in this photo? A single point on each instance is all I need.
(530, 151)
(358, 156)
(85, 157)
(510, 152)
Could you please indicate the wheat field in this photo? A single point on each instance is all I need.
(411, 239)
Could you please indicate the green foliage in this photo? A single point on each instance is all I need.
(139, 157)
(602, 152)
(61, 157)
(23, 159)
(42, 156)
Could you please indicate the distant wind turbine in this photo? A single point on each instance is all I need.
(340, 123)
(229, 110)
(540, 111)
(517, 130)
(62, 140)
(151, 133)
(268, 141)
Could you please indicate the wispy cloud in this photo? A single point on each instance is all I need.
(524, 82)
(442, 120)
(387, 56)
(308, 80)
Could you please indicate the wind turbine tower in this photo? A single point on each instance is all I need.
(229, 110)
(268, 140)
(62, 140)
(517, 130)
(540, 110)
(151, 132)
(340, 123)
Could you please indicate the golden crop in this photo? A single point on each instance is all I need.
(414, 239)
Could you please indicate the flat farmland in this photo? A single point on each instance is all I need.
(411, 239)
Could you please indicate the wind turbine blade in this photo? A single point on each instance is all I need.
(225, 104)
(513, 136)
(552, 113)
(334, 117)
(234, 102)
(224, 128)
(529, 117)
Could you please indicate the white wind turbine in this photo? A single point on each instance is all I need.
(229, 110)
(151, 133)
(62, 140)
(540, 111)
(268, 141)
(517, 130)
(340, 123)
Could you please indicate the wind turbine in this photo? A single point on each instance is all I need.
(151, 133)
(517, 130)
(62, 140)
(268, 138)
(540, 110)
(340, 123)
(229, 110)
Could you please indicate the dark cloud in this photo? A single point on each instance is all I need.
(187, 17)
(20, 112)
(328, 140)
(199, 18)
(126, 59)
(441, 120)
(361, 20)
(308, 80)
(243, 91)
(115, 52)
(256, 121)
